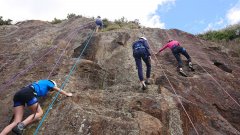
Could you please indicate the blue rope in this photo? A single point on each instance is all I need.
(64, 83)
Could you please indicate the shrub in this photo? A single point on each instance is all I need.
(5, 22)
(229, 33)
(72, 15)
(106, 23)
(69, 16)
(112, 27)
(228, 37)
(56, 21)
(120, 23)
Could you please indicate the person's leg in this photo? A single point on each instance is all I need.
(37, 113)
(100, 28)
(184, 52)
(18, 115)
(176, 53)
(139, 67)
(178, 58)
(147, 61)
(138, 61)
(97, 28)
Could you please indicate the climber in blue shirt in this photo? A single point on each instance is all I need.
(141, 52)
(28, 95)
(99, 23)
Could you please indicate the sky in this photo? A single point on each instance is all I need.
(193, 16)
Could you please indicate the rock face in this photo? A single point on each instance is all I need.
(107, 95)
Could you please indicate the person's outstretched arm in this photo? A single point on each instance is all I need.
(164, 47)
(69, 94)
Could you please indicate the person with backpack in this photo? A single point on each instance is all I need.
(176, 51)
(28, 96)
(141, 52)
(99, 23)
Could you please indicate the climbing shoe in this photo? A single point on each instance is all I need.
(144, 87)
(182, 73)
(147, 83)
(190, 66)
(18, 129)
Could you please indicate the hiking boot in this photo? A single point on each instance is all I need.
(182, 73)
(18, 129)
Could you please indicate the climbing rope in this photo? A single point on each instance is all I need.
(59, 58)
(177, 96)
(214, 78)
(14, 77)
(10, 81)
(174, 91)
(63, 84)
(218, 84)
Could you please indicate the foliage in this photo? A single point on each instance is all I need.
(56, 21)
(5, 22)
(120, 23)
(227, 34)
(112, 27)
(106, 22)
(72, 15)
(228, 37)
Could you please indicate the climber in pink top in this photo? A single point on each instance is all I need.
(170, 45)
(177, 50)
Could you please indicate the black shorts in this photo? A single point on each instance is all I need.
(25, 96)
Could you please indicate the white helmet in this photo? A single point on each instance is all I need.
(55, 84)
(143, 38)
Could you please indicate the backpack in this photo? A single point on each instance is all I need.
(138, 45)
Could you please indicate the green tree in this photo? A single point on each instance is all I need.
(72, 15)
(5, 22)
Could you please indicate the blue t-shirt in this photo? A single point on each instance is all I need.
(99, 22)
(42, 87)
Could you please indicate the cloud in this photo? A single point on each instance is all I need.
(220, 23)
(209, 27)
(144, 10)
(233, 15)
